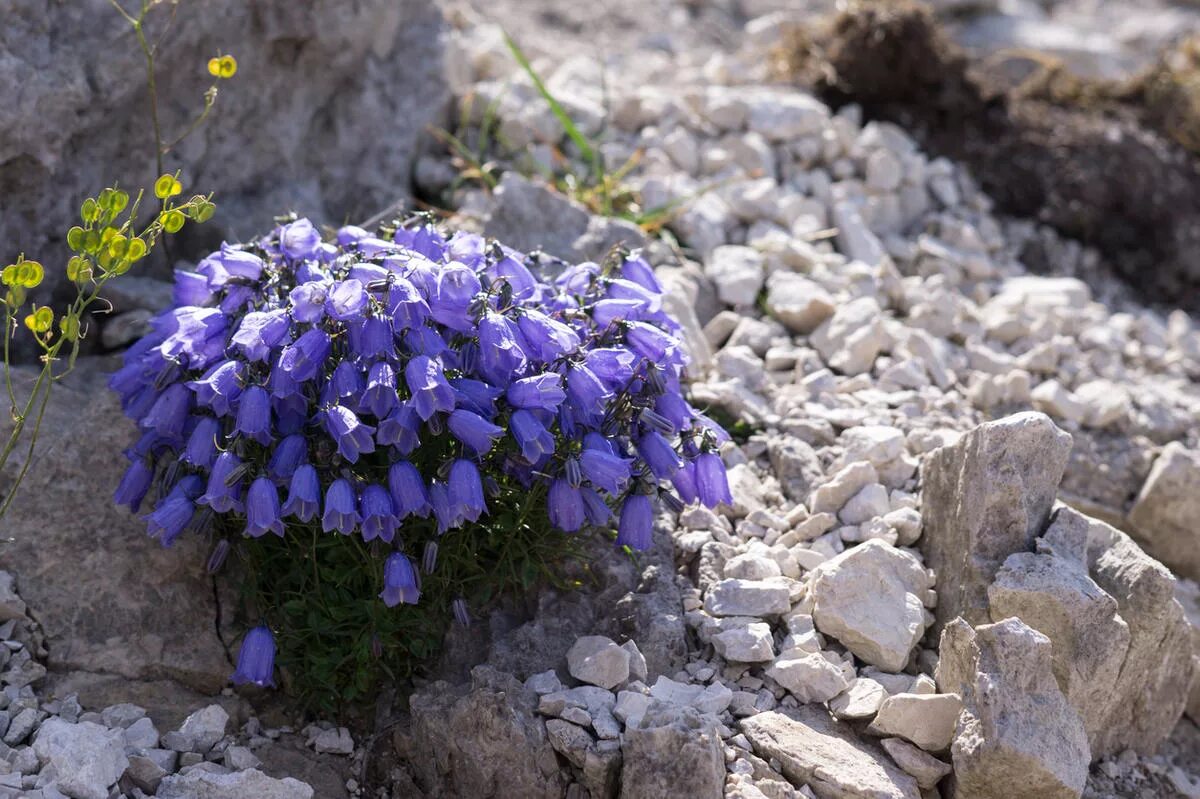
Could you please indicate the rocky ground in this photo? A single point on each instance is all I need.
(961, 556)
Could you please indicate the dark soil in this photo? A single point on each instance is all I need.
(1099, 164)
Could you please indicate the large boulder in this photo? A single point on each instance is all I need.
(1164, 517)
(985, 497)
(815, 750)
(672, 751)
(109, 599)
(322, 117)
(1016, 725)
(483, 739)
(1138, 706)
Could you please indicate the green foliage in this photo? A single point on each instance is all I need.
(602, 190)
(319, 593)
(111, 239)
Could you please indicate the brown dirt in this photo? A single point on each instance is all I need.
(1097, 162)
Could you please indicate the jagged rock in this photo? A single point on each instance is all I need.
(737, 273)
(810, 677)
(814, 750)
(200, 783)
(859, 701)
(756, 598)
(752, 643)
(800, 303)
(1141, 706)
(482, 739)
(79, 123)
(984, 497)
(11, 605)
(851, 339)
(672, 751)
(925, 768)
(1056, 597)
(528, 216)
(1015, 719)
(86, 757)
(205, 727)
(127, 606)
(597, 660)
(928, 720)
(1188, 594)
(869, 599)
(1165, 513)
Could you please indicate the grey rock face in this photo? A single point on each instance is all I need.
(322, 117)
(86, 757)
(986, 496)
(199, 783)
(1151, 688)
(483, 740)
(1015, 720)
(108, 598)
(673, 751)
(1165, 514)
(816, 751)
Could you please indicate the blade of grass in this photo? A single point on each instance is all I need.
(589, 153)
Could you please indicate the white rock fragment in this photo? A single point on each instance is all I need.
(597, 660)
(757, 598)
(86, 758)
(808, 677)
(926, 720)
(861, 700)
(853, 337)
(799, 303)
(869, 599)
(750, 644)
(737, 273)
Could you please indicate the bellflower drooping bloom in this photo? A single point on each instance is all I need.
(500, 353)
(304, 494)
(304, 358)
(262, 509)
(637, 522)
(712, 486)
(378, 516)
(134, 484)
(548, 337)
(341, 513)
(201, 450)
(542, 391)
(254, 415)
(531, 436)
(399, 581)
(299, 239)
(224, 484)
(430, 391)
(256, 659)
(473, 430)
(565, 506)
(289, 454)
(409, 495)
(346, 300)
(259, 332)
(380, 395)
(466, 490)
(352, 436)
(659, 455)
(412, 390)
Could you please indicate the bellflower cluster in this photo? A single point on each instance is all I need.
(396, 389)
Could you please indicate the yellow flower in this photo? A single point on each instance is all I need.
(223, 67)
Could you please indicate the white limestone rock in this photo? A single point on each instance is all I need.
(870, 599)
(597, 660)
